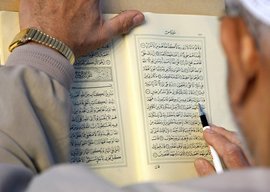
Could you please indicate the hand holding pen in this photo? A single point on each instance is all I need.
(226, 144)
(216, 160)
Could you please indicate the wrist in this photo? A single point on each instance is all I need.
(37, 36)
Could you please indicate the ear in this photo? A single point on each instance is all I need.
(242, 54)
(248, 52)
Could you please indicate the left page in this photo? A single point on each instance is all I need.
(102, 124)
(9, 27)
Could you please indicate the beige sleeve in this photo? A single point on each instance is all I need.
(35, 108)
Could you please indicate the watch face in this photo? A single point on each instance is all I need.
(19, 39)
(22, 36)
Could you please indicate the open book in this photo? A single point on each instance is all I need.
(135, 101)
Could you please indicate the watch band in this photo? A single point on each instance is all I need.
(35, 35)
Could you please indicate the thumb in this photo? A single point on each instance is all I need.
(231, 153)
(121, 24)
(203, 167)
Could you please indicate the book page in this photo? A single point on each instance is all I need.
(173, 58)
(103, 124)
(100, 134)
(9, 27)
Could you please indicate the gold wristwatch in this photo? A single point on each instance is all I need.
(35, 35)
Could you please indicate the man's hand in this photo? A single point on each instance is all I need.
(79, 24)
(227, 146)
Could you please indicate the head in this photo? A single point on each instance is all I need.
(246, 41)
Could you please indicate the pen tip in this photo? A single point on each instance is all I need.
(200, 109)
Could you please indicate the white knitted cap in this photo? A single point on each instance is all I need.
(259, 8)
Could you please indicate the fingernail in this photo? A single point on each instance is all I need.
(209, 130)
(201, 163)
(138, 19)
(201, 167)
(212, 125)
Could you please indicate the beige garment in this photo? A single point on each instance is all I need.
(35, 108)
(69, 178)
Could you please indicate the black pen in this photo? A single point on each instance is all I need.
(205, 125)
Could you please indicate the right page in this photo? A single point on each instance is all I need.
(177, 62)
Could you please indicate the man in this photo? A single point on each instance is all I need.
(36, 80)
(245, 38)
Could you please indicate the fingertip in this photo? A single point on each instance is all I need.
(218, 128)
(203, 167)
(199, 162)
(123, 23)
(210, 136)
(138, 19)
(212, 125)
(209, 130)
